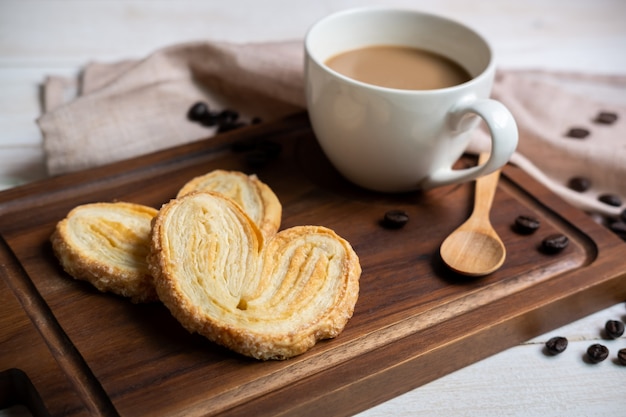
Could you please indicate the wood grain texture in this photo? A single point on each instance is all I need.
(415, 321)
(42, 38)
(35, 352)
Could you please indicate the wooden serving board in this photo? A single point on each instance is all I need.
(70, 350)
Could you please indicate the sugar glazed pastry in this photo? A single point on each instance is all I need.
(265, 298)
(106, 244)
(255, 197)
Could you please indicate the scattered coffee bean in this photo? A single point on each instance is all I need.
(198, 111)
(225, 120)
(580, 184)
(577, 133)
(395, 219)
(556, 345)
(605, 117)
(228, 115)
(610, 199)
(619, 228)
(614, 329)
(621, 356)
(526, 225)
(228, 120)
(209, 120)
(597, 353)
(554, 243)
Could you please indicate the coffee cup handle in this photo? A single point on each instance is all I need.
(504, 137)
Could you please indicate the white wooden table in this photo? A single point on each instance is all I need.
(39, 38)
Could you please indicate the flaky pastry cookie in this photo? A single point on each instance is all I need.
(253, 196)
(268, 299)
(106, 244)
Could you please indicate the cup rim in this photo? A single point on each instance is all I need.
(372, 9)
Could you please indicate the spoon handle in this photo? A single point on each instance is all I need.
(485, 189)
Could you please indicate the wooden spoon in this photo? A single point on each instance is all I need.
(475, 248)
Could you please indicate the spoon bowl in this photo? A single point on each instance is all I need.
(474, 248)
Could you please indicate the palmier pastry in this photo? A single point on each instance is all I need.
(253, 196)
(267, 299)
(106, 244)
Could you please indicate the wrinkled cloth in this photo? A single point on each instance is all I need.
(125, 109)
(119, 110)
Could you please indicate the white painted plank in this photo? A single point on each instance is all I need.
(21, 165)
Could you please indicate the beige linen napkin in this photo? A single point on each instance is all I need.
(119, 110)
(546, 105)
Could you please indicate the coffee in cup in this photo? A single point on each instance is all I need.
(393, 96)
(402, 67)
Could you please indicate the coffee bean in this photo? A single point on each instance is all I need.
(526, 225)
(554, 243)
(228, 115)
(614, 328)
(556, 345)
(580, 184)
(210, 119)
(619, 228)
(198, 111)
(605, 117)
(395, 219)
(610, 199)
(225, 120)
(621, 356)
(597, 353)
(577, 133)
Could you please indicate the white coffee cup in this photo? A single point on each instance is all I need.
(395, 140)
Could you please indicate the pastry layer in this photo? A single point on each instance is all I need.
(253, 196)
(268, 299)
(106, 244)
